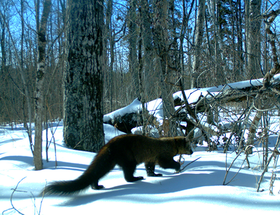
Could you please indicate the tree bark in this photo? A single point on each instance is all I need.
(253, 40)
(198, 41)
(148, 75)
(162, 51)
(37, 154)
(109, 45)
(266, 81)
(132, 39)
(219, 67)
(83, 79)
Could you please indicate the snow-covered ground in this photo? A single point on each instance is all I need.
(197, 190)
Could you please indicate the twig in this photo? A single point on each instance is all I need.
(238, 120)
(224, 182)
(274, 153)
(192, 113)
(239, 151)
(11, 198)
(273, 177)
(181, 170)
(227, 171)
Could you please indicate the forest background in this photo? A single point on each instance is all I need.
(210, 42)
(207, 43)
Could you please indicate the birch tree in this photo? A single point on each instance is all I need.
(269, 19)
(40, 73)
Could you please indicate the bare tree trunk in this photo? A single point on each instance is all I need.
(253, 40)
(21, 59)
(162, 50)
(148, 76)
(83, 79)
(197, 43)
(266, 82)
(133, 65)
(37, 155)
(240, 58)
(109, 45)
(184, 33)
(218, 75)
(140, 79)
(3, 42)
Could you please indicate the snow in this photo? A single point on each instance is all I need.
(134, 107)
(155, 107)
(198, 189)
(193, 95)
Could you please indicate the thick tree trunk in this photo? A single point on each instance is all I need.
(37, 153)
(162, 50)
(83, 79)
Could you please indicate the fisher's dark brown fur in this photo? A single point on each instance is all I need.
(126, 151)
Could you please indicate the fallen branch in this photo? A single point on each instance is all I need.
(193, 114)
